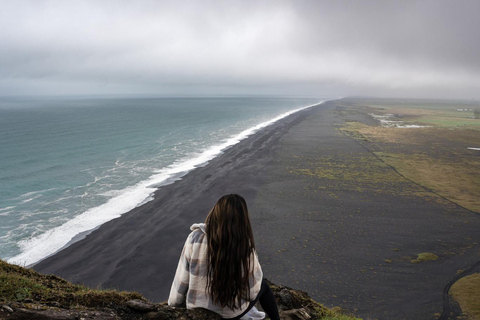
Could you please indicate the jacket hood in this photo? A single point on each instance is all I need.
(200, 226)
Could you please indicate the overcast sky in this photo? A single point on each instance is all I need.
(334, 48)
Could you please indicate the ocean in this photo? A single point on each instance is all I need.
(68, 165)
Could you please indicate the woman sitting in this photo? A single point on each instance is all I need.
(219, 269)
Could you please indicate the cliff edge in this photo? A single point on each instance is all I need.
(27, 294)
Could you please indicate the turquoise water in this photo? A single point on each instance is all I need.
(69, 165)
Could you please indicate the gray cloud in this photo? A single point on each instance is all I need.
(418, 48)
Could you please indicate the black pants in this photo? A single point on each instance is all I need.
(267, 301)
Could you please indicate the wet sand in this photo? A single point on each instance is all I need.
(346, 238)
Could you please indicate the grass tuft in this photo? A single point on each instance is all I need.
(425, 256)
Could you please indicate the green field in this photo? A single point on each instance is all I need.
(437, 156)
(424, 112)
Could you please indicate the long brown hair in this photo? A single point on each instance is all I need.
(230, 250)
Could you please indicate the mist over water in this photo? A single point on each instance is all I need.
(70, 165)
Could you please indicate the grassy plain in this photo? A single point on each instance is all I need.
(425, 112)
(436, 157)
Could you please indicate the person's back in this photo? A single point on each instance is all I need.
(218, 268)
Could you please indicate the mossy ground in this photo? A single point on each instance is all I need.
(436, 158)
(466, 292)
(425, 256)
(358, 173)
(435, 113)
(18, 284)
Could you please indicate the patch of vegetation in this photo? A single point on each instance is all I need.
(454, 180)
(362, 173)
(437, 113)
(425, 256)
(25, 288)
(466, 292)
(20, 284)
(435, 158)
(476, 113)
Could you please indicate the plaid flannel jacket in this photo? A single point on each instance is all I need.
(189, 287)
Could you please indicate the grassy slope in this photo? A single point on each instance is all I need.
(19, 284)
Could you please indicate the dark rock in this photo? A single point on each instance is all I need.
(158, 315)
(293, 305)
(200, 314)
(7, 308)
(291, 301)
(295, 314)
(42, 312)
(141, 305)
(285, 299)
(55, 304)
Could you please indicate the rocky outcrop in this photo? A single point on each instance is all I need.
(293, 305)
(27, 294)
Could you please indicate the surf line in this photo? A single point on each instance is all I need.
(39, 247)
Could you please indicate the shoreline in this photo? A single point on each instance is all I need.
(168, 215)
(142, 192)
(328, 218)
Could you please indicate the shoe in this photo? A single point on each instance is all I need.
(253, 314)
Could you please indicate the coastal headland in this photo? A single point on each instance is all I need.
(331, 217)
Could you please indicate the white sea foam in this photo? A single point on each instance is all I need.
(48, 243)
(33, 194)
(31, 199)
(7, 208)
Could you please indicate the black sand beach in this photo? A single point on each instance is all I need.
(329, 218)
